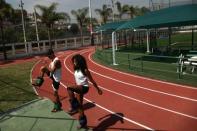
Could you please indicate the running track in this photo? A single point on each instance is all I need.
(129, 102)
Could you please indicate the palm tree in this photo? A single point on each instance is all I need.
(48, 17)
(144, 10)
(5, 13)
(104, 13)
(122, 9)
(65, 16)
(131, 11)
(141, 11)
(81, 17)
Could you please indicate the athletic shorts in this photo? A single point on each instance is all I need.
(55, 84)
(85, 89)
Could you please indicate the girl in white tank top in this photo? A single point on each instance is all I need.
(76, 92)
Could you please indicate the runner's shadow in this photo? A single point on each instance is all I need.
(108, 121)
(88, 105)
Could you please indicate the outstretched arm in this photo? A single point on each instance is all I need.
(93, 82)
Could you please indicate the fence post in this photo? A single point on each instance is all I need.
(179, 70)
(13, 50)
(142, 63)
(30, 48)
(44, 46)
(55, 44)
(75, 41)
(129, 61)
(66, 43)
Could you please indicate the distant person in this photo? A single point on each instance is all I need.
(54, 72)
(77, 92)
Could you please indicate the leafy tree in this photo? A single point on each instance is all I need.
(5, 14)
(104, 13)
(48, 17)
(81, 17)
(122, 9)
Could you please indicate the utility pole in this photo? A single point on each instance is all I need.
(36, 24)
(112, 1)
(35, 17)
(23, 24)
(91, 25)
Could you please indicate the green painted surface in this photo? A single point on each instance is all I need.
(37, 116)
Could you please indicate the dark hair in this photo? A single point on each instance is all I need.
(49, 52)
(80, 63)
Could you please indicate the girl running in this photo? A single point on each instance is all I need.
(76, 92)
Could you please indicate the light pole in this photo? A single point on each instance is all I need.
(36, 24)
(112, 1)
(91, 26)
(23, 24)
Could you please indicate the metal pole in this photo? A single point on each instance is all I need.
(90, 15)
(147, 41)
(113, 49)
(23, 24)
(35, 17)
(113, 9)
(192, 38)
(91, 26)
(37, 36)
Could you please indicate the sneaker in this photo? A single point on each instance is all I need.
(72, 111)
(56, 110)
(82, 122)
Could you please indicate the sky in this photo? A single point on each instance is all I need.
(68, 5)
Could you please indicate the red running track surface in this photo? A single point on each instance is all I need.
(129, 102)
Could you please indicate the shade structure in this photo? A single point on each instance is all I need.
(110, 26)
(169, 17)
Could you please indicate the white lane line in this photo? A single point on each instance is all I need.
(182, 97)
(146, 103)
(184, 86)
(125, 118)
(31, 77)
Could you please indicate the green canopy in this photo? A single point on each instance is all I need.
(168, 17)
(111, 26)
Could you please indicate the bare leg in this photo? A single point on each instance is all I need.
(74, 103)
(57, 99)
(80, 99)
(70, 93)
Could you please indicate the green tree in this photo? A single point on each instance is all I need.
(104, 13)
(5, 14)
(65, 16)
(122, 9)
(131, 12)
(81, 17)
(48, 17)
(141, 11)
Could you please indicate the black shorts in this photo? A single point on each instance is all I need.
(85, 89)
(55, 84)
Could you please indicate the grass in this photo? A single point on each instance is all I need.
(184, 38)
(15, 85)
(144, 65)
